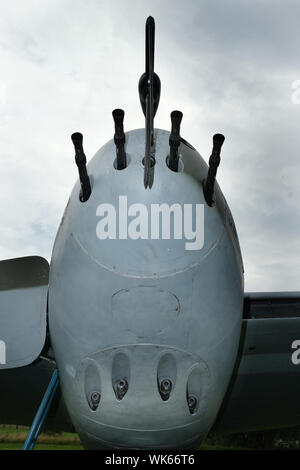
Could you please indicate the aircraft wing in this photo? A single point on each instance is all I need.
(24, 375)
(265, 386)
(23, 308)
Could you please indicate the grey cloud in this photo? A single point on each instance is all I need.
(227, 65)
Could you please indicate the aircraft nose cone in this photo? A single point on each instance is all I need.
(141, 397)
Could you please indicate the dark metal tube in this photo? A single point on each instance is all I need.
(174, 140)
(119, 138)
(80, 160)
(150, 31)
(214, 162)
(149, 92)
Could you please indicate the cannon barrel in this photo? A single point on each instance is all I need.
(214, 162)
(80, 160)
(174, 140)
(119, 139)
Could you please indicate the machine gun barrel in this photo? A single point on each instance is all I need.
(80, 160)
(214, 162)
(119, 139)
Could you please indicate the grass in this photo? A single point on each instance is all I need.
(58, 446)
(13, 438)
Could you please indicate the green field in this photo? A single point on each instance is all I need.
(18, 446)
(13, 437)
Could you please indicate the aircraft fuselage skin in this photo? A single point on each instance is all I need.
(145, 331)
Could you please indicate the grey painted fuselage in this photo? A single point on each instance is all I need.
(144, 309)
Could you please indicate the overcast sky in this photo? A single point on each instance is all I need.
(229, 66)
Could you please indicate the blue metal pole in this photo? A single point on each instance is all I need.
(42, 412)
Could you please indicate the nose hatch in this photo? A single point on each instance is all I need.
(160, 310)
(148, 396)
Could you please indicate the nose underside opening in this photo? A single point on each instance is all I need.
(138, 389)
